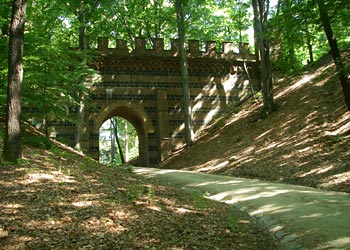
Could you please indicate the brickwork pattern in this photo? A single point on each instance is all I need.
(144, 86)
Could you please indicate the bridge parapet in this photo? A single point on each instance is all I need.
(144, 86)
(227, 52)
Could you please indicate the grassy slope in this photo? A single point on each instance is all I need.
(59, 200)
(306, 141)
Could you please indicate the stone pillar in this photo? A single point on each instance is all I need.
(121, 45)
(193, 48)
(175, 47)
(140, 45)
(164, 141)
(102, 43)
(244, 50)
(158, 45)
(210, 48)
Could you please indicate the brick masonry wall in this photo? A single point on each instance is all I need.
(144, 86)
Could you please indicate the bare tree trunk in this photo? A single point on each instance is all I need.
(83, 46)
(12, 143)
(260, 8)
(289, 37)
(332, 41)
(126, 140)
(112, 143)
(115, 127)
(184, 72)
(309, 45)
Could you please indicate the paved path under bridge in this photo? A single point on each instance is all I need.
(301, 217)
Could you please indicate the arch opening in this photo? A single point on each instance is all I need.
(137, 118)
(118, 142)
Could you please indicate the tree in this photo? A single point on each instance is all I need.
(87, 13)
(117, 130)
(52, 71)
(332, 41)
(114, 123)
(83, 13)
(179, 4)
(12, 143)
(5, 20)
(261, 9)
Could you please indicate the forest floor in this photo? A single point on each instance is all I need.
(305, 141)
(55, 199)
(58, 200)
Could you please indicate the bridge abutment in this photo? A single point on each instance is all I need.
(146, 89)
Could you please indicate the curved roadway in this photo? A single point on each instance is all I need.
(300, 217)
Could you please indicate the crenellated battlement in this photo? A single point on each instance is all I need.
(193, 49)
(144, 86)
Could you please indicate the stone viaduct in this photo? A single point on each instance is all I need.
(144, 87)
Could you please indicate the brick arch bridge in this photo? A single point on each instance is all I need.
(144, 87)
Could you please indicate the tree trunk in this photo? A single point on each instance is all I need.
(309, 45)
(184, 72)
(83, 46)
(260, 16)
(112, 143)
(115, 127)
(12, 143)
(289, 36)
(126, 142)
(332, 41)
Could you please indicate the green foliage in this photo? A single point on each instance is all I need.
(88, 165)
(198, 200)
(54, 74)
(36, 141)
(4, 26)
(128, 139)
(135, 192)
(219, 20)
(296, 32)
(222, 120)
(127, 168)
(232, 223)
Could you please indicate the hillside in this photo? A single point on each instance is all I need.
(306, 141)
(58, 199)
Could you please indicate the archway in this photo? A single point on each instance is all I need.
(139, 120)
(118, 142)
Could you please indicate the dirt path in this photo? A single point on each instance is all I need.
(301, 217)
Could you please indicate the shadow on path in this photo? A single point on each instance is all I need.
(301, 217)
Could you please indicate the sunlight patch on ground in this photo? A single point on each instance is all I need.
(11, 208)
(337, 179)
(270, 209)
(213, 165)
(103, 225)
(304, 149)
(5, 183)
(83, 203)
(242, 195)
(316, 171)
(341, 243)
(181, 210)
(263, 134)
(342, 125)
(312, 215)
(304, 80)
(54, 176)
(154, 208)
(44, 224)
(3, 233)
(270, 145)
(119, 214)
